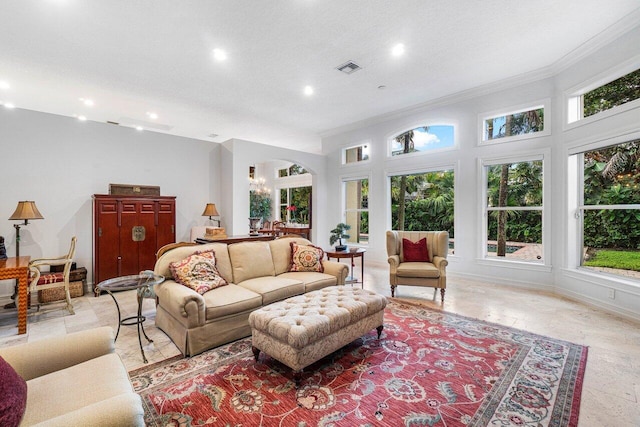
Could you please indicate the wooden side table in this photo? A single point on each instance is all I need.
(18, 268)
(350, 253)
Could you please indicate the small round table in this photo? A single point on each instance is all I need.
(350, 253)
(143, 283)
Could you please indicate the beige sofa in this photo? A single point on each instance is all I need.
(75, 380)
(257, 273)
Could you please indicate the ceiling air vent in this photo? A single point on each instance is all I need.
(348, 67)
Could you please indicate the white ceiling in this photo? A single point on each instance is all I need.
(137, 56)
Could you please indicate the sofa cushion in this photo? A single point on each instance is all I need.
(67, 390)
(13, 395)
(281, 252)
(312, 280)
(230, 299)
(274, 288)
(417, 269)
(250, 260)
(198, 272)
(306, 258)
(415, 251)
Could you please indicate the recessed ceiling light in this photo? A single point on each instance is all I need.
(152, 115)
(9, 105)
(397, 49)
(219, 54)
(82, 118)
(308, 90)
(87, 102)
(4, 85)
(139, 128)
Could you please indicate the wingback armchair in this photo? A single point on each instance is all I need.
(430, 273)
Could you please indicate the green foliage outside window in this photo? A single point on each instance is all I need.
(618, 92)
(423, 202)
(612, 177)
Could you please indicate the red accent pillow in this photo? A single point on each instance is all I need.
(415, 252)
(13, 395)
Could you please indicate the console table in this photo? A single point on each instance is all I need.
(18, 268)
(236, 239)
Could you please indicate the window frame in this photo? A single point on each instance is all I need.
(343, 153)
(393, 136)
(575, 204)
(543, 155)
(545, 104)
(423, 170)
(343, 198)
(572, 97)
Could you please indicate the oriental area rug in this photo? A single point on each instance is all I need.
(430, 368)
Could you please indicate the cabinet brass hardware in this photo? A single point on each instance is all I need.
(138, 233)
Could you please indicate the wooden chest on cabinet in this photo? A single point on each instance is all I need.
(128, 231)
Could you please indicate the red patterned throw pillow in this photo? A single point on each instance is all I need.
(306, 258)
(415, 252)
(13, 395)
(198, 272)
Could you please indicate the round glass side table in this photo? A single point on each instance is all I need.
(143, 283)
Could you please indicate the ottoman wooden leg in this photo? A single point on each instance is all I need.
(379, 329)
(297, 377)
(256, 352)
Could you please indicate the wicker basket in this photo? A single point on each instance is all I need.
(76, 289)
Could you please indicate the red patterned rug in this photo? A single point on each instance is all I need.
(430, 368)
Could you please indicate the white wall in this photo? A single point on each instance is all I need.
(463, 112)
(240, 154)
(60, 163)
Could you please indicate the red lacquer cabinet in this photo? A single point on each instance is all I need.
(128, 231)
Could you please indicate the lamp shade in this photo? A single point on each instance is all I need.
(210, 210)
(26, 210)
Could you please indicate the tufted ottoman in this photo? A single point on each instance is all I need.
(303, 329)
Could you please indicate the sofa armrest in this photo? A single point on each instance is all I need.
(440, 264)
(181, 302)
(338, 269)
(38, 358)
(122, 410)
(394, 262)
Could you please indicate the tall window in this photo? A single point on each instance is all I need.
(608, 208)
(520, 123)
(356, 209)
(421, 139)
(514, 210)
(295, 204)
(423, 201)
(602, 98)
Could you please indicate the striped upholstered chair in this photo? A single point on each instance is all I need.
(412, 264)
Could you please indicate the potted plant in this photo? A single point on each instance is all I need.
(339, 233)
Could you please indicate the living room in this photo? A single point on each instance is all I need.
(59, 161)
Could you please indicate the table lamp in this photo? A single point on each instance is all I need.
(210, 210)
(26, 210)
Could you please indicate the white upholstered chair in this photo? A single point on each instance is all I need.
(430, 274)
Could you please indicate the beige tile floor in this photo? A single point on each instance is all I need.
(611, 391)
